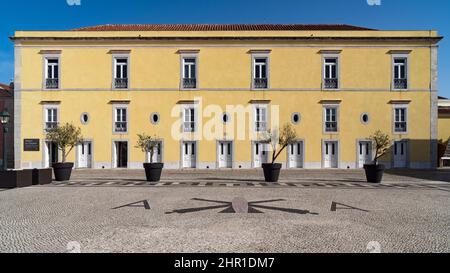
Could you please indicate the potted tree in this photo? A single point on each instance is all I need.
(374, 171)
(66, 137)
(279, 141)
(148, 145)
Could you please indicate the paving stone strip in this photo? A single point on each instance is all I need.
(121, 183)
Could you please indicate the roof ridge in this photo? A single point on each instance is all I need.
(219, 27)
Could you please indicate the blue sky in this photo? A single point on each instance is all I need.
(391, 14)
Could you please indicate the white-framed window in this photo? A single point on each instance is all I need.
(400, 119)
(121, 72)
(120, 119)
(189, 119)
(330, 72)
(260, 72)
(52, 72)
(189, 72)
(331, 119)
(400, 72)
(51, 117)
(260, 118)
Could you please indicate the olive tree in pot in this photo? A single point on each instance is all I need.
(66, 137)
(279, 141)
(148, 145)
(374, 171)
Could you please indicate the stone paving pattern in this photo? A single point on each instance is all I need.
(412, 218)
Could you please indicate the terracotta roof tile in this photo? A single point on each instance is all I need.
(5, 87)
(218, 27)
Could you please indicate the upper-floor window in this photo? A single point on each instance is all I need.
(51, 118)
(120, 120)
(260, 73)
(121, 73)
(400, 76)
(330, 73)
(189, 73)
(331, 119)
(260, 118)
(400, 119)
(189, 119)
(52, 73)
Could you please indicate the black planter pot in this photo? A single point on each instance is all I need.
(272, 171)
(16, 179)
(374, 173)
(153, 171)
(42, 176)
(62, 171)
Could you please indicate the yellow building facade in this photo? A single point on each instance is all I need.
(444, 131)
(208, 92)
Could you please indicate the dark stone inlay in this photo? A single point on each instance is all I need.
(240, 205)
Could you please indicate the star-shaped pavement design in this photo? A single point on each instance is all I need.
(229, 207)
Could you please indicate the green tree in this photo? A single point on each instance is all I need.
(66, 137)
(382, 143)
(279, 140)
(147, 144)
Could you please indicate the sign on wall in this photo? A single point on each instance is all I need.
(31, 145)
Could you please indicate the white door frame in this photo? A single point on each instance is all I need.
(45, 154)
(182, 142)
(147, 155)
(77, 161)
(114, 162)
(407, 146)
(338, 152)
(372, 150)
(218, 153)
(302, 158)
(253, 151)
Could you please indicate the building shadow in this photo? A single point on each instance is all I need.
(416, 148)
(431, 175)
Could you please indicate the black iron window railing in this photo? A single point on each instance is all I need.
(121, 83)
(260, 83)
(331, 126)
(189, 127)
(52, 83)
(400, 126)
(331, 83)
(51, 125)
(400, 83)
(190, 83)
(261, 126)
(120, 127)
